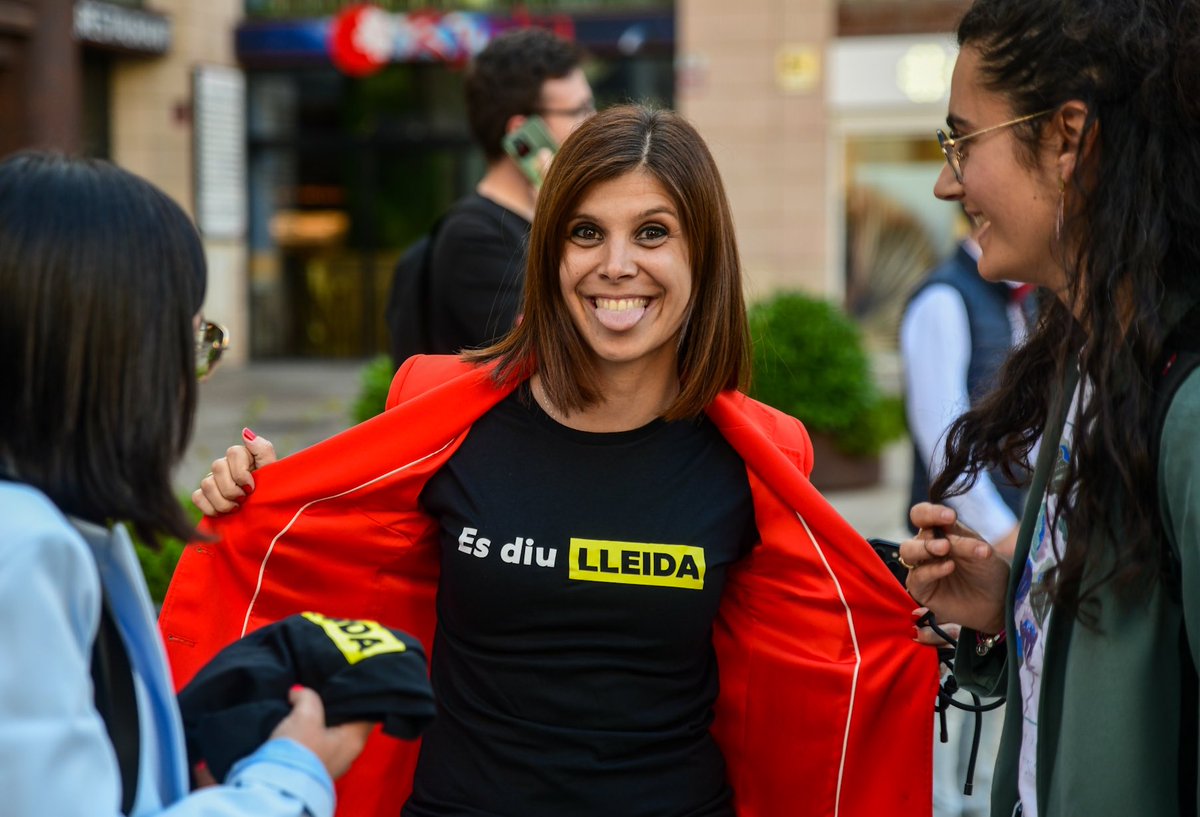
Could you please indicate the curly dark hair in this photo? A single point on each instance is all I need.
(1133, 212)
(505, 80)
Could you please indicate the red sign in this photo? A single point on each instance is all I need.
(361, 39)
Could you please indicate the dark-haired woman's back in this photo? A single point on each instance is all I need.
(103, 277)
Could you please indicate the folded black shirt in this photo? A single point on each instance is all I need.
(362, 671)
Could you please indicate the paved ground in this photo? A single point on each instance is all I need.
(294, 404)
(297, 403)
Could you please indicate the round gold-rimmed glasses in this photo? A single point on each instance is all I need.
(211, 340)
(950, 144)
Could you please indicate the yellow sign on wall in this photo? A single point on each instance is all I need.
(798, 68)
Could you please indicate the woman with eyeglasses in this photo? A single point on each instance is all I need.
(636, 602)
(102, 277)
(1075, 145)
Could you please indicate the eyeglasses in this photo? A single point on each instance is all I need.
(954, 156)
(582, 112)
(211, 340)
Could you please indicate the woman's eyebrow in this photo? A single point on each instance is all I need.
(655, 211)
(956, 123)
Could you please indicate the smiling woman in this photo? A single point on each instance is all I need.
(634, 304)
(631, 573)
(625, 275)
(1080, 160)
(1011, 192)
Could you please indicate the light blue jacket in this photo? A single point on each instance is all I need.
(55, 754)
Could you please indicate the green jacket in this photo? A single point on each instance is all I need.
(1109, 717)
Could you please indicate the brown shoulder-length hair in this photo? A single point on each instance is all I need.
(714, 350)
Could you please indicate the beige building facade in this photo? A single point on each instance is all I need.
(809, 105)
(750, 78)
(154, 133)
(804, 103)
(117, 79)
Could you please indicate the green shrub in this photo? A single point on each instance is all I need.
(373, 389)
(809, 361)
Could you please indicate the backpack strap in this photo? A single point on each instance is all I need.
(425, 284)
(116, 700)
(408, 305)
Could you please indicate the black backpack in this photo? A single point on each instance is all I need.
(407, 312)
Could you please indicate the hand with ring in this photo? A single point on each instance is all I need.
(231, 479)
(953, 571)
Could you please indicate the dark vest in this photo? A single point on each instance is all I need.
(991, 341)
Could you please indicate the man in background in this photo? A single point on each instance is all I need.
(476, 264)
(956, 332)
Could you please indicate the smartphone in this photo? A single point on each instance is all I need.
(889, 552)
(526, 145)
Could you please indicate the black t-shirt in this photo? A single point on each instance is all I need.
(580, 575)
(476, 275)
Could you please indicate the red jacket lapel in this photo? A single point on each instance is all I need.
(825, 700)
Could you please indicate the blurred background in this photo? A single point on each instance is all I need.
(310, 169)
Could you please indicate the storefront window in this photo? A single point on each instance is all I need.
(317, 8)
(896, 230)
(346, 173)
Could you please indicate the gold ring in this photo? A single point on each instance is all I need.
(209, 474)
(903, 563)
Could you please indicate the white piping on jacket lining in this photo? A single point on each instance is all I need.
(837, 804)
(262, 568)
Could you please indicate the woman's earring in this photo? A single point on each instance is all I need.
(1058, 219)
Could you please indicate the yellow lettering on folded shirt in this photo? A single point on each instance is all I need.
(356, 639)
(597, 560)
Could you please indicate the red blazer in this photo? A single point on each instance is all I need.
(826, 703)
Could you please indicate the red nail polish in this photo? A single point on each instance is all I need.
(296, 687)
(248, 435)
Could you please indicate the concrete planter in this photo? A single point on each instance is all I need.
(834, 470)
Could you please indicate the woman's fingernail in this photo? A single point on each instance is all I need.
(248, 435)
(296, 687)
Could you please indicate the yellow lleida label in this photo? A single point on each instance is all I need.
(595, 560)
(357, 640)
